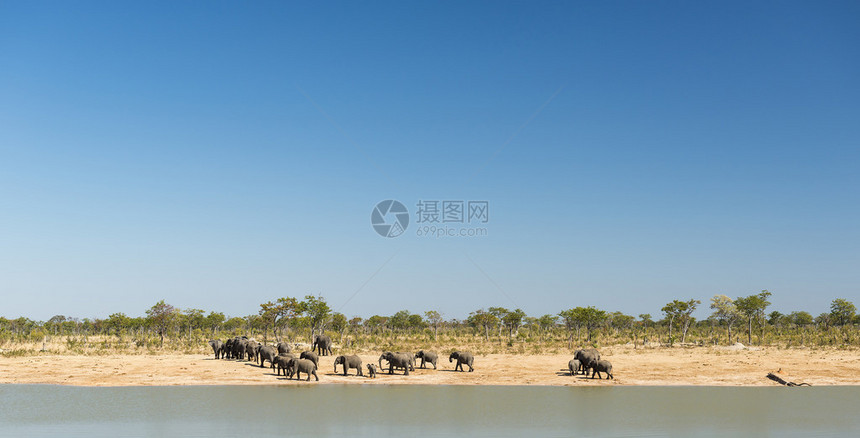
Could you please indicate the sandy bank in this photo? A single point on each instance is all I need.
(677, 366)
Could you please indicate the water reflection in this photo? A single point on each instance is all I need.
(327, 410)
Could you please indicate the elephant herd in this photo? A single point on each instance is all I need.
(589, 360)
(281, 360)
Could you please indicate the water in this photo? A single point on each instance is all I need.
(483, 411)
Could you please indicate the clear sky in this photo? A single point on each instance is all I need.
(219, 154)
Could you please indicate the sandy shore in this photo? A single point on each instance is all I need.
(716, 366)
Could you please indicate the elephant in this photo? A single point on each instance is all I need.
(266, 353)
(573, 366)
(585, 356)
(348, 362)
(299, 366)
(411, 359)
(283, 347)
(322, 345)
(239, 345)
(281, 363)
(371, 370)
(310, 355)
(462, 358)
(427, 356)
(598, 366)
(397, 360)
(217, 347)
(251, 349)
(228, 348)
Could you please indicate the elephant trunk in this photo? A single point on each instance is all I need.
(380, 362)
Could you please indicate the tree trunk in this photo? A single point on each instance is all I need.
(749, 333)
(730, 333)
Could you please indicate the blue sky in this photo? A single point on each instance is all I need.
(222, 155)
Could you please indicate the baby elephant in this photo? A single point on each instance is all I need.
(462, 358)
(299, 366)
(371, 371)
(598, 366)
(573, 366)
(427, 356)
(348, 362)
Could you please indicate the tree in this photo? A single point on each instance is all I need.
(800, 318)
(193, 319)
(513, 321)
(753, 308)
(434, 319)
(399, 322)
(339, 324)
(117, 322)
(579, 317)
(355, 323)
(277, 314)
(842, 311)
(162, 317)
(317, 311)
(483, 319)
(619, 321)
(725, 311)
(376, 322)
(680, 311)
(823, 321)
(214, 321)
(499, 313)
(415, 322)
(546, 323)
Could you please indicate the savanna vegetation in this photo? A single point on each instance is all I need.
(165, 328)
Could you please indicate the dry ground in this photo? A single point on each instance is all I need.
(717, 366)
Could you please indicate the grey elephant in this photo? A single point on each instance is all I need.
(428, 357)
(311, 356)
(283, 347)
(217, 347)
(371, 370)
(240, 346)
(462, 358)
(411, 359)
(251, 349)
(397, 360)
(322, 345)
(600, 366)
(573, 366)
(280, 363)
(237, 348)
(227, 348)
(299, 366)
(348, 362)
(266, 353)
(585, 356)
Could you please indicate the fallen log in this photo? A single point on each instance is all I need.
(781, 381)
